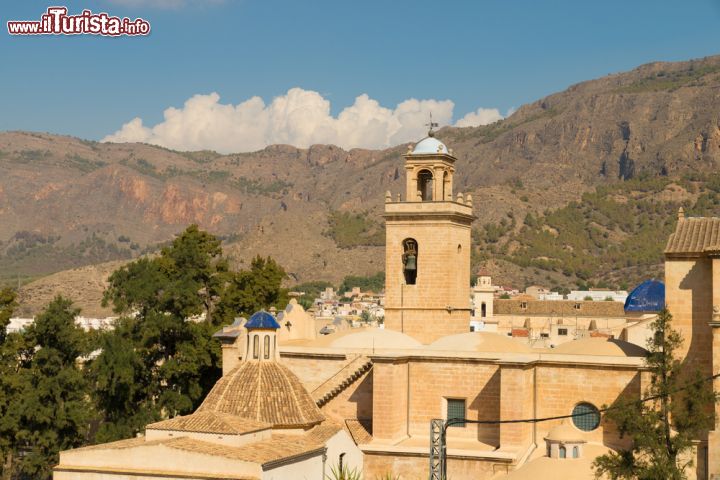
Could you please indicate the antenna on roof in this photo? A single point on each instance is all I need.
(431, 125)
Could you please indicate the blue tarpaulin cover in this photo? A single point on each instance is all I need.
(649, 296)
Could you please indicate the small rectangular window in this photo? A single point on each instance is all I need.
(577, 306)
(523, 305)
(544, 335)
(456, 409)
(562, 331)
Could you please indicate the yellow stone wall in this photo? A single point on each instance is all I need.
(561, 387)
(688, 297)
(516, 402)
(714, 436)
(443, 277)
(390, 396)
(432, 382)
(356, 401)
(415, 467)
(313, 370)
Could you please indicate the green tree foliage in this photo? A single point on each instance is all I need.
(251, 290)
(7, 306)
(312, 291)
(156, 360)
(54, 410)
(123, 389)
(662, 430)
(9, 383)
(160, 360)
(373, 283)
(616, 226)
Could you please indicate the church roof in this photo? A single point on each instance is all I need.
(479, 342)
(694, 235)
(265, 392)
(649, 296)
(367, 338)
(603, 346)
(429, 145)
(279, 448)
(545, 468)
(211, 422)
(564, 433)
(262, 319)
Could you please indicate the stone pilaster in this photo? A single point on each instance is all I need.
(714, 435)
(516, 402)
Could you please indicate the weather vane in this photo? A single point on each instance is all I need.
(431, 125)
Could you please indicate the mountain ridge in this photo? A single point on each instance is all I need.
(66, 202)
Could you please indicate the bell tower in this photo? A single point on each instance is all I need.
(427, 248)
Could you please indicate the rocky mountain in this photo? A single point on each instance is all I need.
(66, 202)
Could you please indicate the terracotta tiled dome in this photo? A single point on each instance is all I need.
(266, 392)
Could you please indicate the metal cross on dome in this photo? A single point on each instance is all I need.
(431, 125)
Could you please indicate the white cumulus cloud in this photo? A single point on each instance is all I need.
(300, 118)
(481, 116)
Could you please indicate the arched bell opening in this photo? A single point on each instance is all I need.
(425, 185)
(410, 260)
(446, 194)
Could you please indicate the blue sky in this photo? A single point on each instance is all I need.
(478, 54)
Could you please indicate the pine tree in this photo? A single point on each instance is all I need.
(662, 430)
(54, 410)
(251, 290)
(10, 362)
(161, 359)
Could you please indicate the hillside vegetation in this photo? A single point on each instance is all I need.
(621, 227)
(580, 186)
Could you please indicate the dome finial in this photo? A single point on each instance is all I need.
(431, 125)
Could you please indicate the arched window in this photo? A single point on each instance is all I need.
(575, 452)
(256, 347)
(267, 346)
(446, 186)
(410, 260)
(483, 310)
(425, 185)
(563, 453)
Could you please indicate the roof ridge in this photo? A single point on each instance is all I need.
(334, 385)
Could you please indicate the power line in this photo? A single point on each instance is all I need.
(438, 428)
(453, 421)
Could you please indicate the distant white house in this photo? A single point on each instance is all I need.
(19, 324)
(598, 295)
(551, 296)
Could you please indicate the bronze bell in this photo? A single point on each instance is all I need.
(411, 262)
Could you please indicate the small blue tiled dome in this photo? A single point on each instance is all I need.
(649, 296)
(262, 319)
